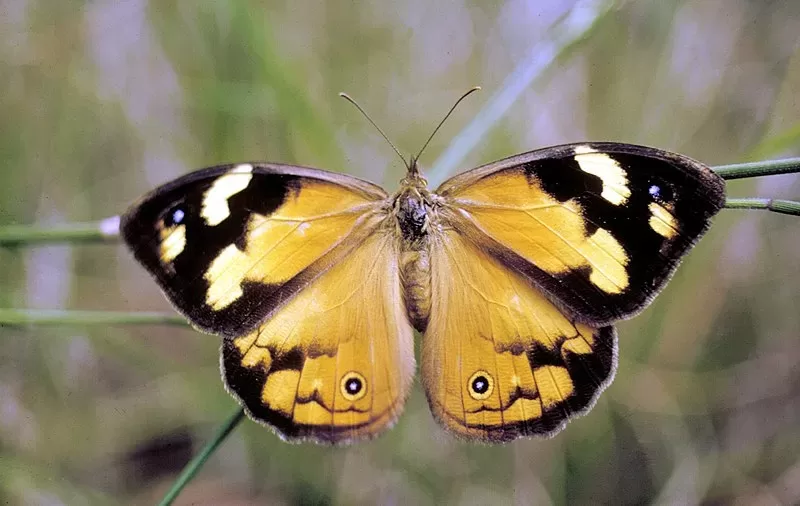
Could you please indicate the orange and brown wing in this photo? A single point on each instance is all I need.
(289, 265)
(599, 227)
(534, 258)
(229, 244)
(499, 360)
(336, 363)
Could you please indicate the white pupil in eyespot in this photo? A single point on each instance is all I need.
(177, 216)
(655, 191)
(353, 386)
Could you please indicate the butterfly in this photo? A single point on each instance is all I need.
(513, 272)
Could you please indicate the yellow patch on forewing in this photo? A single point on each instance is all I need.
(615, 182)
(662, 221)
(173, 241)
(547, 233)
(608, 272)
(279, 246)
(225, 276)
(215, 201)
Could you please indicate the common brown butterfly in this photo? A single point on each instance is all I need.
(513, 272)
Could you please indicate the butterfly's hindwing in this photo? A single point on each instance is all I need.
(499, 360)
(600, 227)
(229, 244)
(335, 364)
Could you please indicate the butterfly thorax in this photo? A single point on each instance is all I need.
(414, 212)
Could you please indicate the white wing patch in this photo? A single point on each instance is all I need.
(662, 221)
(173, 241)
(615, 184)
(215, 202)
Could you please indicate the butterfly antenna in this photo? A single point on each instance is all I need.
(465, 95)
(349, 99)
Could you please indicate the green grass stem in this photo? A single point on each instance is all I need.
(22, 317)
(200, 459)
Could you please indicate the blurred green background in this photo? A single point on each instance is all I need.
(101, 101)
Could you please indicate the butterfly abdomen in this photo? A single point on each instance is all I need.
(415, 275)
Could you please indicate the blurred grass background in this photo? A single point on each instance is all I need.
(101, 101)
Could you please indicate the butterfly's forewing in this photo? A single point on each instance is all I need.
(291, 266)
(499, 360)
(599, 227)
(229, 244)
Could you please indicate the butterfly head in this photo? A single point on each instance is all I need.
(414, 177)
